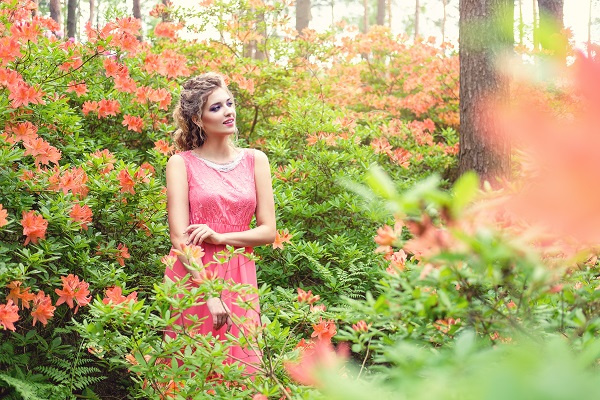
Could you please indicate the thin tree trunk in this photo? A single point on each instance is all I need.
(303, 15)
(71, 18)
(92, 11)
(444, 19)
(483, 33)
(381, 4)
(417, 6)
(366, 16)
(389, 13)
(137, 11)
(55, 14)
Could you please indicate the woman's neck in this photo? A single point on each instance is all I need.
(217, 151)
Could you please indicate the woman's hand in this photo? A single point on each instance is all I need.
(220, 313)
(199, 233)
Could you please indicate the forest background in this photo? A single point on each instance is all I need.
(431, 281)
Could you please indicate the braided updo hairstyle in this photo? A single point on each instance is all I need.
(193, 97)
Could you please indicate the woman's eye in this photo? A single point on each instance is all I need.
(214, 108)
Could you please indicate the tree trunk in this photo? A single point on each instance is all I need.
(55, 14)
(417, 6)
(137, 11)
(551, 25)
(484, 35)
(381, 4)
(71, 18)
(389, 13)
(444, 19)
(366, 16)
(303, 15)
(92, 11)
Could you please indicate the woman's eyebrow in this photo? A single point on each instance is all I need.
(220, 102)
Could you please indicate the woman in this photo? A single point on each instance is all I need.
(213, 191)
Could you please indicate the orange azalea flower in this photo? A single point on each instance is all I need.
(125, 84)
(381, 146)
(324, 330)
(401, 157)
(444, 325)
(3, 215)
(107, 158)
(307, 297)
(321, 356)
(133, 123)
(167, 29)
(108, 107)
(23, 131)
(17, 294)
(22, 94)
(79, 88)
(9, 77)
(42, 308)
(73, 289)
(9, 49)
(82, 215)
(191, 252)
(9, 315)
(168, 260)
(114, 295)
(89, 106)
(361, 326)
(42, 152)
(398, 260)
(127, 182)
(281, 236)
(163, 147)
(129, 25)
(74, 180)
(114, 69)
(26, 31)
(317, 308)
(387, 237)
(122, 254)
(34, 226)
(146, 166)
(74, 62)
(161, 96)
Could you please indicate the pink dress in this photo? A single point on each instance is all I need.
(223, 196)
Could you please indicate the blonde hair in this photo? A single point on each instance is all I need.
(192, 99)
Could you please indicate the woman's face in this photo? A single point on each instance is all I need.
(218, 114)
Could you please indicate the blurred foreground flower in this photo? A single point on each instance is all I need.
(557, 199)
(315, 359)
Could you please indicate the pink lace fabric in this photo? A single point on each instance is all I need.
(223, 196)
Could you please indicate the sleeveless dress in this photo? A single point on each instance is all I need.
(223, 196)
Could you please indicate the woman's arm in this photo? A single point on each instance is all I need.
(264, 232)
(178, 209)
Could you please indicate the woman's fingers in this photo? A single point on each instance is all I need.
(198, 233)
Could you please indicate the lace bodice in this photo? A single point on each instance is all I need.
(221, 195)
